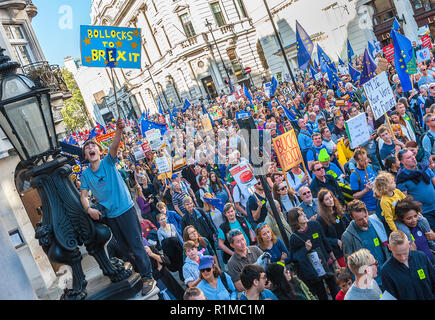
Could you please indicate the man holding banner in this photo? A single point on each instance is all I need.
(108, 188)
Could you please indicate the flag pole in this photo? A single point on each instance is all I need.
(114, 92)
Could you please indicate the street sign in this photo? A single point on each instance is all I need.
(247, 70)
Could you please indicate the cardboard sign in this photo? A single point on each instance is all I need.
(382, 65)
(106, 46)
(426, 42)
(380, 95)
(206, 123)
(231, 98)
(287, 148)
(243, 176)
(138, 152)
(345, 97)
(357, 130)
(178, 163)
(389, 52)
(339, 103)
(423, 55)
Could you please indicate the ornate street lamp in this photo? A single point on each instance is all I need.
(27, 120)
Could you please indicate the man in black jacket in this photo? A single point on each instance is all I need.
(324, 180)
(408, 274)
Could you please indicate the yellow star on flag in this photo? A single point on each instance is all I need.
(87, 41)
(118, 44)
(136, 33)
(133, 45)
(88, 59)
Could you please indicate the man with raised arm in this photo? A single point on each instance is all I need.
(110, 191)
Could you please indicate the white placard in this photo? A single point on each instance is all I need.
(358, 130)
(163, 165)
(231, 98)
(243, 176)
(154, 138)
(423, 55)
(318, 76)
(343, 70)
(267, 87)
(138, 152)
(380, 95)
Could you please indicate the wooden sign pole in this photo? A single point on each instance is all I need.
(114, 92)
(389, 126)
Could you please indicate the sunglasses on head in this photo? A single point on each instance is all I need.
(261, 225)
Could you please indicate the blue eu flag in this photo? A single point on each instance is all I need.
(349, 51)
(274, 86)
(324, 60)
(354, 74)
(402, 55)
(186, 106)
(304, 47)
(368, 68)
(247, 93)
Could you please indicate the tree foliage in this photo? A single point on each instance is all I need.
(73, 112)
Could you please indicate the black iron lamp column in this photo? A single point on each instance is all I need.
(27, 120)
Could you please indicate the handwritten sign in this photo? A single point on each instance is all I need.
(106, 46)
(380, 95)
(423, 55)
(343, 70)
(287, 148)
(154, 138)
(357, 130)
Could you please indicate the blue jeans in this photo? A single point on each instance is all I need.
(128, 233)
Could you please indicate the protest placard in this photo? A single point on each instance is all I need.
(231, 98)
(389, 52)
(154, 138)
(106, 139)
(206, 123)
(243, 176)
(380, 95)
(107, 46)
(357, 130)
(423, 55)
(146, 147)
(382, 65)
(318, 76)
(426, 41)
(138, 152)
(343, 70)
(163, 165)
(287, 149)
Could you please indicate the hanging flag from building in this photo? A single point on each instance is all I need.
(403, 55)
(106, 46)
(368, 68)
(349, 52)
(304, 47)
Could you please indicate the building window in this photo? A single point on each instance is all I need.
(418, 4)
(217, 12)
(19, 42)
(187, 25)
(242, 8)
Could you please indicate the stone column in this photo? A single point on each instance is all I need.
(15, 285)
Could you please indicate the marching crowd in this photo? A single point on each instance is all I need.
(358, 230)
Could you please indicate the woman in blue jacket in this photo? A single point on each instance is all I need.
(268, 242)
(306, 242)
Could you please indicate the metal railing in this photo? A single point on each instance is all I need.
(49, 76)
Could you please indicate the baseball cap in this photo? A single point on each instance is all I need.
(174, 176)
(205, 262)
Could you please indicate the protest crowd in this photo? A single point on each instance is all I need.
(189, 211)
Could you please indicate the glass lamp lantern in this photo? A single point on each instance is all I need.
(25, 113)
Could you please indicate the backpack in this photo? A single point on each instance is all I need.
(198, 197)
(431, 138)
